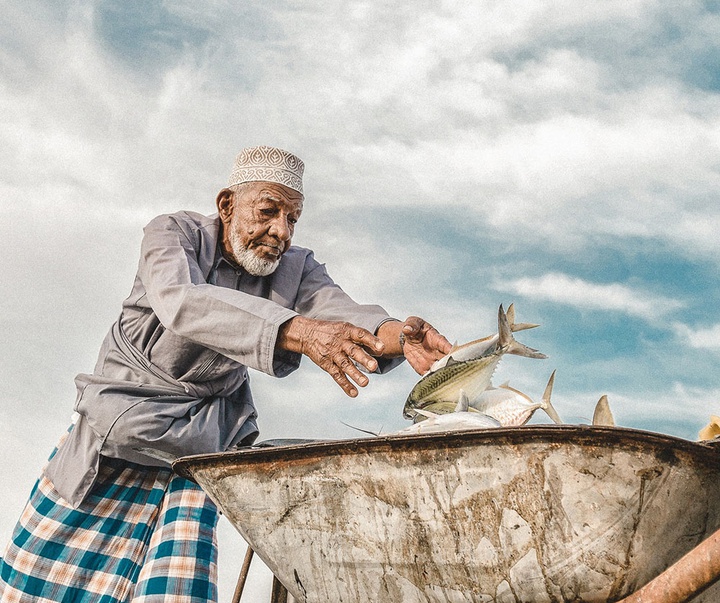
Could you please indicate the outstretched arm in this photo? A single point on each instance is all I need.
(336, 346)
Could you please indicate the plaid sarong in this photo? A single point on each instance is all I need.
(143, 535)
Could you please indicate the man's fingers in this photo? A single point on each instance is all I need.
(413, 326)
(367, 340)
(419, 331)
(342, 371)
(438, 342)
(342, 368)
(336, 347)
(348, 368)
(342, 380)
(360, 356)
(416, 329)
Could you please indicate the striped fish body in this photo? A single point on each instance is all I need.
(444, 385)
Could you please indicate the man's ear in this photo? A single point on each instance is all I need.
(225, 203)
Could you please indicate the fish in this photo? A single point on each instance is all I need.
(468, 367)
(509, 406)
(512, 407)
(603, 415)
(462, 418)
(473, 349)
(711, 430)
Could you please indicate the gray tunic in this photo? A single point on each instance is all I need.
(171, 377)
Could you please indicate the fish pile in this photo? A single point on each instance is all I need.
(457, 392)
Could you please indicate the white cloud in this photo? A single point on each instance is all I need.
(567, 290)
(703, 339)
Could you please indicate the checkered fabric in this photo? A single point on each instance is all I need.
(143, 535)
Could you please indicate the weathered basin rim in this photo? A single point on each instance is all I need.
(581, 435)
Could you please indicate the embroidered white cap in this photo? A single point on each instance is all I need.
(268, 164)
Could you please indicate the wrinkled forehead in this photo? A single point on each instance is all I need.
(270, 192)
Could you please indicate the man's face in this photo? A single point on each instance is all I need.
(259, 223)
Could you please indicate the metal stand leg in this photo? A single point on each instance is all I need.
(279, 592)
(243, 575)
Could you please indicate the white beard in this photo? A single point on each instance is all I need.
(247, 259)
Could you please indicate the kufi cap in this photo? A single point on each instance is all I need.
(268, 164)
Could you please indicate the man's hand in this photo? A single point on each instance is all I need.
(423, 344)
(333, 346)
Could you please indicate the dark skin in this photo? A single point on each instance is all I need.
(263, 216)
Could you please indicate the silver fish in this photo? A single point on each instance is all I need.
(462, 418)
(512, 407)
(468, 368)
(474, 349)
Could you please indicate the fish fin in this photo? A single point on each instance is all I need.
(508, 387)
(603, 415)
(520, 349)
(547, 405)
(462, 404)
(451, 361)
(372, 433)
(426, 413)
(509, 343)
(517, 326)
(511, 314)
(504, 331)
(523, 326)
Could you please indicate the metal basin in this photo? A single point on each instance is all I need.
(537, 514)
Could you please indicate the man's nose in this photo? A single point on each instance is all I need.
(281, 228)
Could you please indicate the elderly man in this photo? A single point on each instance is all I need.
(108, 520)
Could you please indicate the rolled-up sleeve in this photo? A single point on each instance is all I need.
(241, 326)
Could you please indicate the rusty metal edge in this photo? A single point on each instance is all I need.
(584, 435)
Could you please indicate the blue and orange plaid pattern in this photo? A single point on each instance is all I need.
(143, 535)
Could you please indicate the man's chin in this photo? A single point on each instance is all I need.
(252, 262)
(265, 270)
(257, 266)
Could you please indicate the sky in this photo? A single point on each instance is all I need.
(563, 156)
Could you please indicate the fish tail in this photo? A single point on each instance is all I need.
(546, 404)
(603, 415)
(520, 349)
(517, 326)
(507, 342)
(523, 326)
